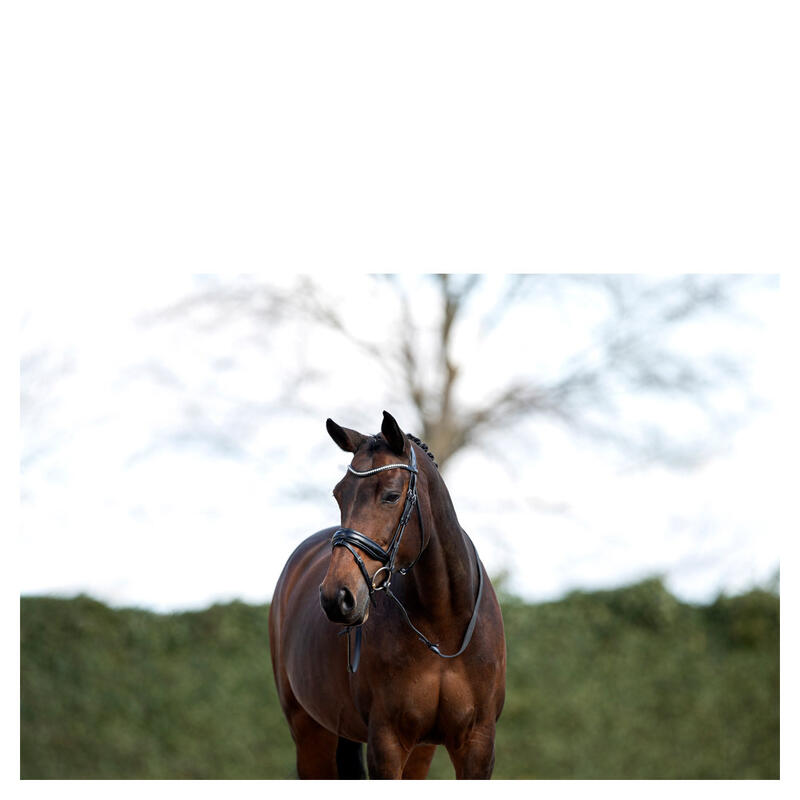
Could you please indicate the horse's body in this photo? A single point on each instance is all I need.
(403, 699)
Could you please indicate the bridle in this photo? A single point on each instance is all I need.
(350, 539)
(347, 537)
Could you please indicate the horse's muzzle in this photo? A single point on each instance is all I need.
(341, 606)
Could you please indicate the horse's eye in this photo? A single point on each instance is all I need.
(391, 497)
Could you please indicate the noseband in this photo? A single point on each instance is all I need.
(349, 538)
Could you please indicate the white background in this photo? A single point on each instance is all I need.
(141, 138)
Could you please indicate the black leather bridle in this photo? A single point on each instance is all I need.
(350, 539)
(347, 537)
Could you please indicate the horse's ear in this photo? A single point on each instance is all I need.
(395, 438)
(346, 439)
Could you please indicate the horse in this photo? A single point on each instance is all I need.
(410, 651)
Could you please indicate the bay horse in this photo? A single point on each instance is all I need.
(401, 574)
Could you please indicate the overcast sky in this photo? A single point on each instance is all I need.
(133, 507)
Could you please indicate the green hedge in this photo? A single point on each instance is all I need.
(628, 683)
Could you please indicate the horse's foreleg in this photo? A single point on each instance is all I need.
(419, 762)
(316, 747)
(474, 757)
(386, 755)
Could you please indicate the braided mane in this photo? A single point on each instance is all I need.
(422, 444)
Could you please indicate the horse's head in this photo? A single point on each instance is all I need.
(370, 505)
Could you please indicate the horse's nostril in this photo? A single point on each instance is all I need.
(346, 601)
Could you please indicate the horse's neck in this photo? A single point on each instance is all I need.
(445, 578)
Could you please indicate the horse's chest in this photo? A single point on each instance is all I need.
(432, 707)
(457, 702)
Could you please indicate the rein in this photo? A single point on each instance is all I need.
(350, 539)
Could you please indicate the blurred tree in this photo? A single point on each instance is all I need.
(42, 373)
(648, 340)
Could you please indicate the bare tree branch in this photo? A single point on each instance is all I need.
(630, 354)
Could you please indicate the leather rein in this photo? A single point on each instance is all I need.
(351, 539)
